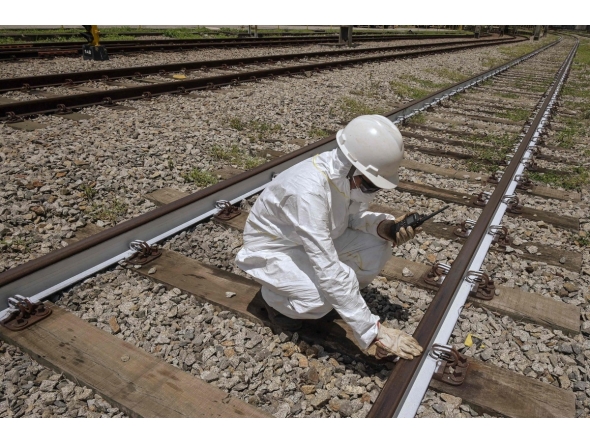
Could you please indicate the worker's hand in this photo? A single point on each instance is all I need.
(390, 341)
(385, 230)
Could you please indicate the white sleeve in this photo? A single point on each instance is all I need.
(367, 221)
(309, 214)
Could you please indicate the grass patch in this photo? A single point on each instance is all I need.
(452, 75)
(582, 241)
(516, 115)
(573, 180)
(372, 91)
(318, 133)
(87, 191)
(200, 177)
(418, 119)
(236, 157)
(576, 91)
(258, 129)
(488, 159)
(408, 91)
(566, 137)
(414, 88)
(352, 108)
(237, 124)
(16, 244)
(181, 33)
(490, 62)
(110, 211)
(506, 140)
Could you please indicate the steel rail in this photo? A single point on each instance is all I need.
(59, 269)
(321, 38)
(163, 45)
(109, 97)
(401, 395)
(14, 83)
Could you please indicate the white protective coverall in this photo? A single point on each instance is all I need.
(311, 247)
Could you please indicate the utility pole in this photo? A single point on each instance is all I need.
(537, 32)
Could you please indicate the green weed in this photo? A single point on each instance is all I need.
(318, 133)
(17, 244)
(200, 178)
(582, 241)
(234, 156)
(575, 179)
(88, 191)
(352, 108)
(566, 137)
(517, 115)
(236, 123)
(109, 211)
(506, 140)
(490, 62)
(452, 75)
(487, 159)
(258, 129)
(418, 119)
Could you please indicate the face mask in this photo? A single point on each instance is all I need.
(358, 196)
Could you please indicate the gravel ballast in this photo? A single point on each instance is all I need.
(154, 146)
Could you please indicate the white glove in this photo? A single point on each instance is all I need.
(390, 341)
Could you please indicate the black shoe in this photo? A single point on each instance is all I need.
(280, 320)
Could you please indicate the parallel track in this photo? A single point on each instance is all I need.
(20, 51)
(11, 111)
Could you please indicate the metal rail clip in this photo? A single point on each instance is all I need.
(483, 286)
(228, 211)
(523, 181)
(501, 239)
(13, 118)
(465, 228)
(107, 101)
(28, 313)
(451, 366)
(436, 274)
(144, 252)
(481, 199)
(513, 203)
(62, 109)
(530, 165)
(494, 178)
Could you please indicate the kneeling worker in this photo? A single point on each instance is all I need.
(311, 243)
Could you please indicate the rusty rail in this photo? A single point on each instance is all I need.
(12, 51)
(71, 78)
(11, 111)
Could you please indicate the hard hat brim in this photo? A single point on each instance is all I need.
(386, 183)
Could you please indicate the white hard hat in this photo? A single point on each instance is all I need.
(374, 145)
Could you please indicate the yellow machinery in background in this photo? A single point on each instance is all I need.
(93, 50)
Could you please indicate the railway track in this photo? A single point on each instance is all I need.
(239, 70)
(486, 388)
(33, 50)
